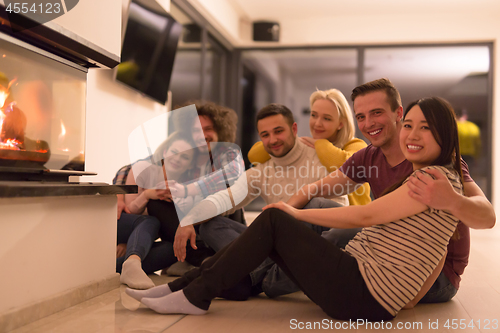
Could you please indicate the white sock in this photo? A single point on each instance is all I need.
(133, 276)
(174, 303)
(155, 292)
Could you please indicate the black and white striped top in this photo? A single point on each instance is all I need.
(396, 258)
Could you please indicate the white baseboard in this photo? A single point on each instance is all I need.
(15, 318)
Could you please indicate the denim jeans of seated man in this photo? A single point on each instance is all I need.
(274, 280)
(441, 291)
(220, 231)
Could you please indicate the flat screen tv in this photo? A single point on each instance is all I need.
(148, 50)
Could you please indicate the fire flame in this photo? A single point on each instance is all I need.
(4, 94)
(8, 143)
(11, 144)
(2, 117)
(3, 97)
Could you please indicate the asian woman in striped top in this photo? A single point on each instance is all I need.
(388, 266)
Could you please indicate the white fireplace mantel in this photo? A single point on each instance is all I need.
(55, 252)
(97, 21)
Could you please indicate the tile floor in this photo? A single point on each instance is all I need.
(476, 308)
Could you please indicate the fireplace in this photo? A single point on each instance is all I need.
(42, 112)
(43, 83)
(43, 101)
(42, 109)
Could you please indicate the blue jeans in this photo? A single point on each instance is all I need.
(140, 232)
(441, 291)
(340, 237)
(220, 231)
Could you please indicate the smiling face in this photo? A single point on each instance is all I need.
(324, 122)
(417, 141)
(204, 133)
(376, 120)
(277, 135)
(178, 158)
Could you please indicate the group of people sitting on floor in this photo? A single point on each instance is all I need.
(320, 231)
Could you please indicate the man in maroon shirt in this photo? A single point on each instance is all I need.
(378, 111)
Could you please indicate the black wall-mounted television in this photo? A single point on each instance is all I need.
(148, 50)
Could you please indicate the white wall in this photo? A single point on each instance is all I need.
(223, 15)
(89, 18)
(113, 111)
(302, 98)
(49, 245)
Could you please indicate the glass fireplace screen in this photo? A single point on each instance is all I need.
(42, 109)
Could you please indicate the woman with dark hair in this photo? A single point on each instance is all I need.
(172, 160)
(388, 266)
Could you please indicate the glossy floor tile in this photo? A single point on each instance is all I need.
(114, 311)
(475, 309)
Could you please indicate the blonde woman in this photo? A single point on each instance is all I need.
(332, 129)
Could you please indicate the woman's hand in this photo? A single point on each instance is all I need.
(121, 249)
(177, 190)
(150, 194)
(307, 141)
(160, 192)
(284, 207)
(164, 195)
(185, 204)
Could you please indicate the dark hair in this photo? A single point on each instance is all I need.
(439, 113)
(274, 109)
(383, 84)
(224, 119)
(174, 137)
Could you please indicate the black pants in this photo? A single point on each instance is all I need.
(169, 221)
(328, 276)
